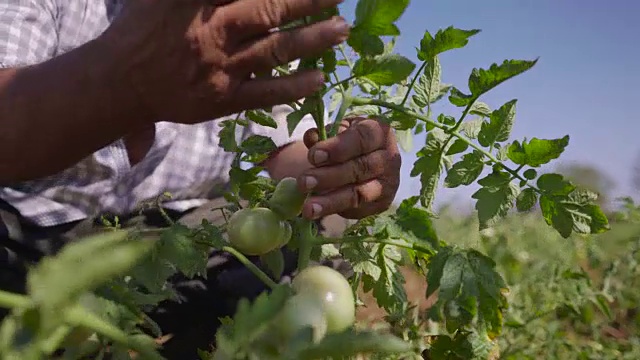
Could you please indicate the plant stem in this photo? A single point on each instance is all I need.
(450, 130)
(359, 239)
(78, 316)
(11, 300)
(413, 82)
(251, 266)
(344, 106)
(307, 240)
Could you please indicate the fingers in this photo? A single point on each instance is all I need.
(262, 92)
(312, 136)
(360, 138)
(251, 18)
(282, 47)
(358, 170)
(344, 199)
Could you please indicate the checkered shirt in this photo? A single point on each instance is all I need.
(185, 160)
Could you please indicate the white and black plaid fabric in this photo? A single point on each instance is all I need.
(185, 160)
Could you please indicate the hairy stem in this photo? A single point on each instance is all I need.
(448, 129)
(11, 300)
(251, 266)
(307, 240)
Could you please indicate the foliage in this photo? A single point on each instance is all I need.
(131, 273)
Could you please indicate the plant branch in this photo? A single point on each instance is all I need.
(413, 82)
(367, 239)
(251, 266)
(11, 300)
(453, 131)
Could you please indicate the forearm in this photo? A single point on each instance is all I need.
(57, 112)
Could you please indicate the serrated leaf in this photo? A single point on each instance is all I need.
(329, 61)
(458, 98)
(526, 200)
(388, 287)
(428, 88)
(377, 17)
(257, 148)
(444, 40)
(429, 167)
(481, 80)
(555, 184)
(570, 212)
(498, 129)
(471, 128)
(495, 198)
(178, 248)
(537, 152)
(465, 171)
(469, 277)
(480, 108)
(261, 118)
(384, 70)
(228, 136)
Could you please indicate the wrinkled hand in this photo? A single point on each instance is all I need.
(355, 174)
(190, 61)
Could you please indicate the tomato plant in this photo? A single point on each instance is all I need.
(364, 77)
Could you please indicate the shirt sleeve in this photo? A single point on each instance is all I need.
(28, 32)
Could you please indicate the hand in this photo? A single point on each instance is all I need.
(356, 173)
(190, 61)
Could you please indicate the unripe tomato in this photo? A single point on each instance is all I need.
(301, 311)
(286, 200)
(255, 231)
(334, 291)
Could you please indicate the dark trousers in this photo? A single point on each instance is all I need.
(192, 321)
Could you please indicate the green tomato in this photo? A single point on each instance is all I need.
(301, 311)
(255, 231)
(333, 290)
(286, 200)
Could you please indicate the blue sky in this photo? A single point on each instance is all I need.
(585, 83)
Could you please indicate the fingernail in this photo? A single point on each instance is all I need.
(310, 182)
(316, 209)
(319, 157)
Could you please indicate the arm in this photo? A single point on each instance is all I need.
(54, 112)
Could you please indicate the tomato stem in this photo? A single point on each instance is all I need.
(251, 266)
(307, 240)
(78, 316)
(11, 300)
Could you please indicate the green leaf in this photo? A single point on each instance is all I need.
(59, 280)
(480, 108)
(400, 121)
(457, 147)
(429, 166)
(351, 343)
(555, 184)
(530, 174)
(568, 209)
(469, 278)
(526, 200)
(384, 70)
(537, 152)
(445, 40)
(257, 148)
(481, 81)
(177, 247)
(228, 136)
(364, 43)
(329, 61)
(495, 198)
(261, 118)
(465, 171)
(294, 118)
(499, 126)
(377, 17)
(458, 98)
(274, 262)
(428, 90)
(388, 287)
